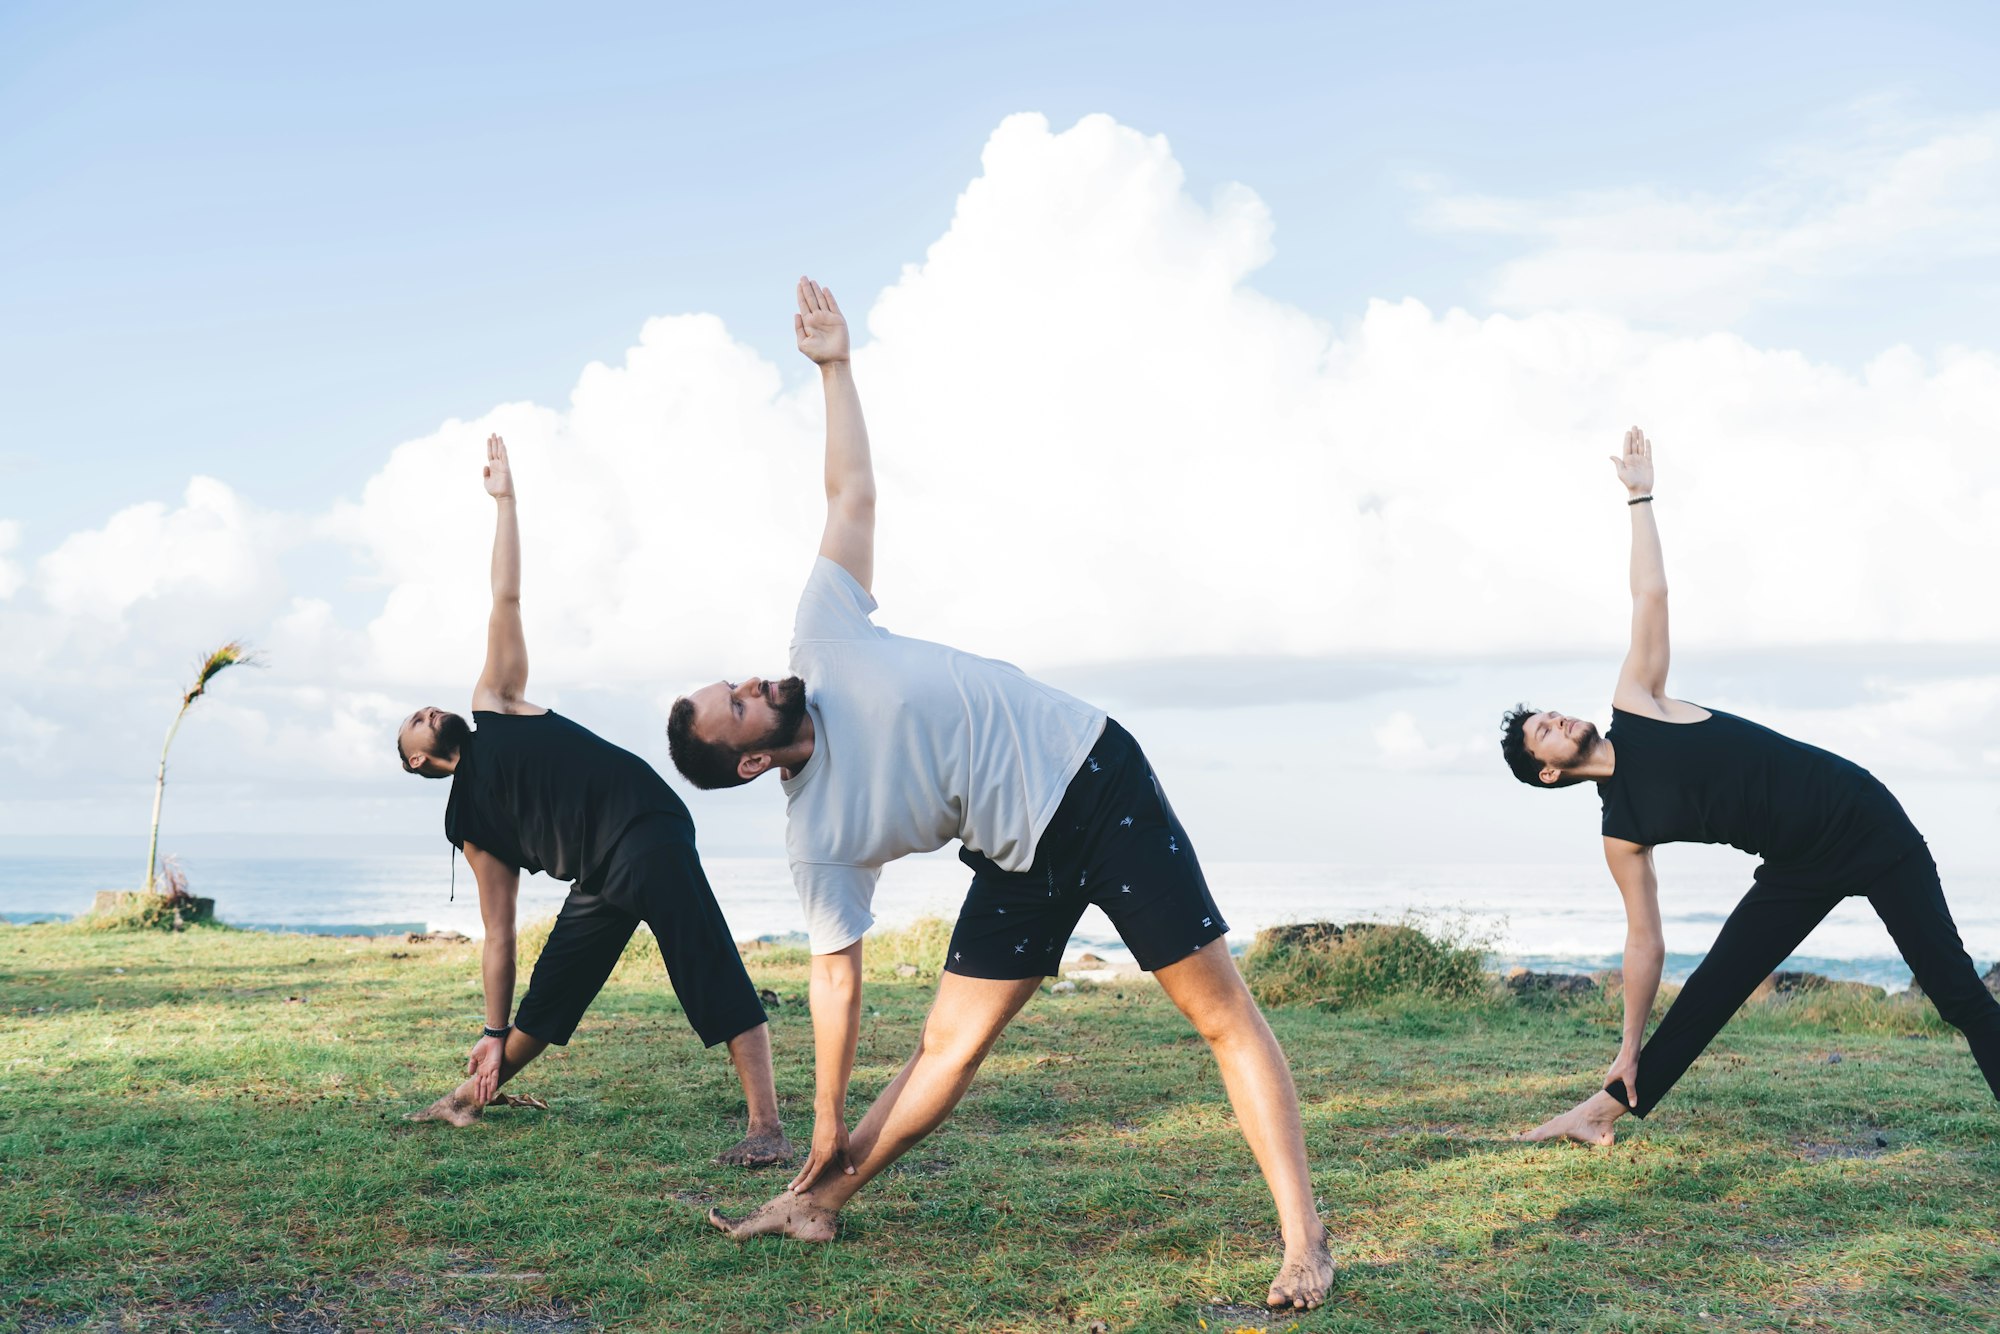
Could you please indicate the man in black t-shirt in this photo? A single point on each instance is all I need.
(1669, 772)
(531, 790)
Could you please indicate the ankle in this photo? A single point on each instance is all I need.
(1311, 1237)
(770, 1129)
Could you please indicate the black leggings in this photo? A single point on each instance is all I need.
(1769, 924)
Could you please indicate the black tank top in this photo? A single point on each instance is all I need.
(1817, 820)
(545, 794)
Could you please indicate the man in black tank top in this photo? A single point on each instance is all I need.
(533, 791)
(1673, 772)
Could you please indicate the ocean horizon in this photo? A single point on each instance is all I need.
(1561, 917)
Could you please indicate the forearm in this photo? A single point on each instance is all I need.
(506, 551)
(835, 996)
(496, 975)
(850, 471)
(1649, 565)
(1645, 955)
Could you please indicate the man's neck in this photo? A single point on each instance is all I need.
(1603, 762)
(797, 755)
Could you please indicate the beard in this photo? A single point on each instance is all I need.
(452, 734)
(1586, 742)
(788, 701)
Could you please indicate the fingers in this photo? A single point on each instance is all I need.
(805, 305)
(799, 327)
(831, 304)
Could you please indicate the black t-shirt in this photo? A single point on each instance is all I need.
(1816, 819)
(545, 794)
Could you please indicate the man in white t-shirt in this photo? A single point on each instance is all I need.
(888, 746)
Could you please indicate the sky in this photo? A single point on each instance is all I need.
(1250, 372)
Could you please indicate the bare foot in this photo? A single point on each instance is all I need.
(784, 1215)
(759, 1148)
(1305, 1279)
(459, 1111)
(1589, 1122)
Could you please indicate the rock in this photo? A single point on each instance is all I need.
(118, 901)
(769, 997)
(1833, 1058)
(1524, 983)
(437, 938)
(1062, 988)
(1311, 935)
(1785, 983)
(1992, 979)
(1088, 960)
(906, 970)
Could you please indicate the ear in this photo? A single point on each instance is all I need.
(1550, 775)
(749, 766)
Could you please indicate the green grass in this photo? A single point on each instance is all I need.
(185, 1145)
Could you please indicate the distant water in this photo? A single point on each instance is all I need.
(1557, 917)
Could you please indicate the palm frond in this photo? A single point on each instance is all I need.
(233, 654)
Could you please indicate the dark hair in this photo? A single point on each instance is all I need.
(1514, 749)
(706, 764)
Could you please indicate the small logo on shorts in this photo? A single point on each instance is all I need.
(1126, 820)
(1173, 845)
(1083, 876)
(1124, 889)
(1021, 948)
(1092, 762)
(1208, 921)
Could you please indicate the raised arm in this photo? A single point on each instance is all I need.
(1645, 954)
(849, 540)
(504, 678)
(1642, 681)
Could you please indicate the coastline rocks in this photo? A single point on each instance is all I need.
(1522, 982)
(1991, 978)
(1309, 935)
(1787, 983)
(437, 938)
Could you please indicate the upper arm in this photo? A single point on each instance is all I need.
(1632, 867)
(1642, 681)
(836, 900)
(849, 539)
(504, 678)
(499, 887)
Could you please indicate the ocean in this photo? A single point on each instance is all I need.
(1566, 917)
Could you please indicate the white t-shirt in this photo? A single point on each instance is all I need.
(915, 744)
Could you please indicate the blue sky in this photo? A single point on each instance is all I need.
(260, 242)
(1271, 310)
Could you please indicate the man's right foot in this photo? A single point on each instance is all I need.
(784, 1215)
(757, 1149)
(1589, 1122)
(452, 1108)
(1305, 1279)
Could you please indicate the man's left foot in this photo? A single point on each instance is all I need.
(1305, 1279)
(757, 1149)
(785, 1215)
(1589, 1122)
(451, 1108)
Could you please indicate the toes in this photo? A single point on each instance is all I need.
(721, 1224)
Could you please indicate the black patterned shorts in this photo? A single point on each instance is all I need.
(1113, 842)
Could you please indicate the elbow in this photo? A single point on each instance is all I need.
(852, 500)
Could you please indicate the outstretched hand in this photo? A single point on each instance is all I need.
(821, 328)
(483, 1066)
(499, 477)
(829, 1155)
(1635, 465)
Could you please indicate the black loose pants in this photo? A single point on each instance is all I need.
(1769, 924)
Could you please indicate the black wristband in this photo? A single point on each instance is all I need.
(1642, 500)
(499, 1032)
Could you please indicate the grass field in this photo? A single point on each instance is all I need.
(202, 1130)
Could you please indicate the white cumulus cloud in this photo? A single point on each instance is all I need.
(1893, 195)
